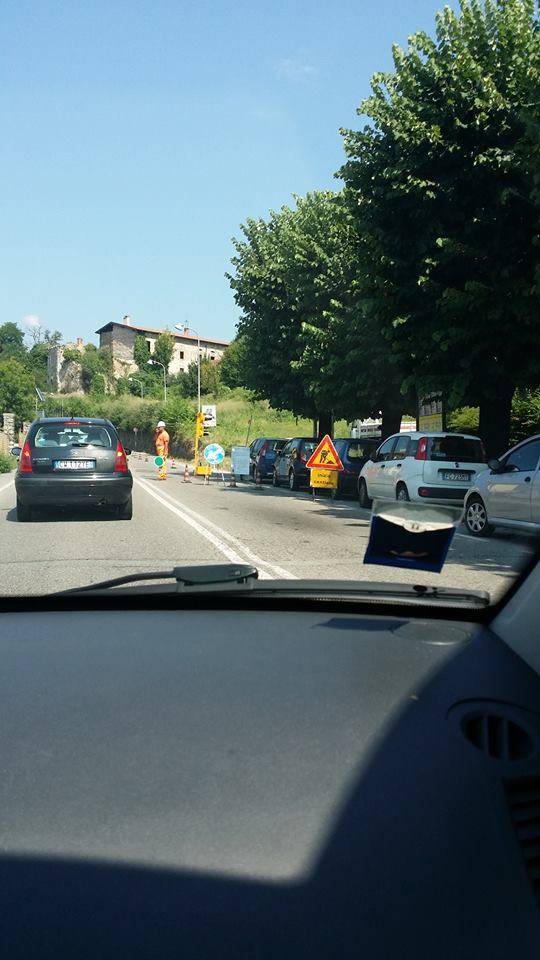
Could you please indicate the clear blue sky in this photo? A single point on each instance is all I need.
(138, 134)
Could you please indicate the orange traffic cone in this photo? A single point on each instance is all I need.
(187, 478)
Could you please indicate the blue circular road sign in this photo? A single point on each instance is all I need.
(214, 453)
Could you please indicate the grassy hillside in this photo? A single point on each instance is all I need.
(235, 410)
(240, 420)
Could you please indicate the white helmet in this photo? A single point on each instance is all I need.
(161, 423)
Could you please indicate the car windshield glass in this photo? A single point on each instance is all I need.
(234, 232)
(456, 448)
(62, 436)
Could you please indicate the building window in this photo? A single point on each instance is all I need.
(149, 345)
(181, 354)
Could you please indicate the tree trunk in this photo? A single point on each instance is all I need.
(326, 424)
(391, 419)
(494, 425)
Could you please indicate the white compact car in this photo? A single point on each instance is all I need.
(435, 467)
(508, 493)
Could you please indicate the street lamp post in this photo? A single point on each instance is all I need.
(134, 380)
(185, 329)
(162, 365)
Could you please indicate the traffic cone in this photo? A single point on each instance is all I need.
(232, 481)
(187, 478)
(173, 464)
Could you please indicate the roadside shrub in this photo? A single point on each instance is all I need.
(7, 463)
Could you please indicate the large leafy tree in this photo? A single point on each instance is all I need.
(268, 325)
(163, 349)
(16, 389)
(231, 365)
(308, 343)
(442, 185)
(11, 341)
(347, 365)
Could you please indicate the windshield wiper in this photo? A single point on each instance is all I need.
(208, 575)
(223, 577)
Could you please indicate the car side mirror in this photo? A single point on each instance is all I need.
(16, 452)
(495, 465)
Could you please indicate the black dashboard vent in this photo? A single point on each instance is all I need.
(524, 800)
(497, 736)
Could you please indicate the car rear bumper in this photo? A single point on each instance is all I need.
(56, 491)
(442, 494)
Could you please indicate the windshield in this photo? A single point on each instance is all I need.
(236, 234)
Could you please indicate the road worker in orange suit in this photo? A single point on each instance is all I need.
(162, 448)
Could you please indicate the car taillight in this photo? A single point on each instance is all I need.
(25, 462)
(263, 450)
(121, 459)
(421, 450)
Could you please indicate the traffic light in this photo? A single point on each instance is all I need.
(199, 429)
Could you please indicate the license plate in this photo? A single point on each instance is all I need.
(74, 464)
(455, 475)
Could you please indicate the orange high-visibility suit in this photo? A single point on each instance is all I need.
(162, 450)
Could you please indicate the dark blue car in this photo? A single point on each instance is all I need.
(262, 456)
(353, 455)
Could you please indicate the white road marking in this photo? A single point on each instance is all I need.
(6, 485)
(201, 525)
(235, 541)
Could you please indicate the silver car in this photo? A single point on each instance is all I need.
(507, 494)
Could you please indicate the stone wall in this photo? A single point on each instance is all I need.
(121, 340)
(63, 376)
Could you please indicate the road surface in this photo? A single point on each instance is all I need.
(285, 534)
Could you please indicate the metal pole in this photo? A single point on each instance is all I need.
(164, 383)
(199, 371)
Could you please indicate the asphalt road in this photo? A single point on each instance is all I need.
(284, 533)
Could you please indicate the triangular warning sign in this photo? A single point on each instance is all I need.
(325, 456)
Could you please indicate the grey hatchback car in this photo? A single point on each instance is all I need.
(507, 494)
(73, 462)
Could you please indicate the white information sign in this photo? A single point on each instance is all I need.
(210, 418)
(240, 461)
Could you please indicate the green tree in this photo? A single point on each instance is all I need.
(308, 342)
(16, 389)
(232, 363)
(442, 183)
(163, 349)
(141, 353)
(97, 364)
(210, 379)
(11, 341)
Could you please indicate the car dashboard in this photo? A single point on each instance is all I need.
(266, 784)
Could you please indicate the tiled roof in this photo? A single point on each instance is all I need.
(175, 333)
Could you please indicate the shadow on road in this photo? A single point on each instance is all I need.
(69, 515)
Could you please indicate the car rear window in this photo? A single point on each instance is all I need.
(308, 446)
(464, 449)
(276, 444)
(60, 435)
(358, 449)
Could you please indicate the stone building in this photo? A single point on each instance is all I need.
(120, 337)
